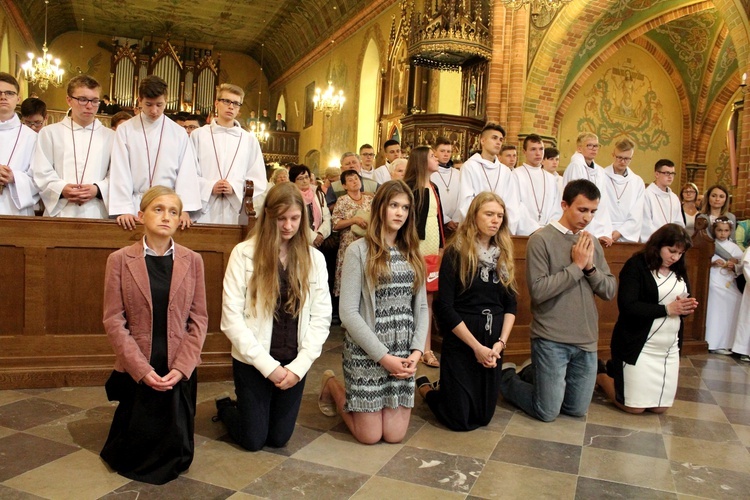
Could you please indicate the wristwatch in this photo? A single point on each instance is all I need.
(589, 272)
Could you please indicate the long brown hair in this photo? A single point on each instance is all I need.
(264, 287)
(706, 208)
(416, 175)
(407, 241)
(464, 243)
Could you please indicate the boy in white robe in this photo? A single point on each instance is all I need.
(392, 150)
(71, 161)
(660, 204)
(583, 166)
(150, 150)
(625, 191)
(447, 179)
(18, 194)
(537, 188)
(239, 159)
(484, 172)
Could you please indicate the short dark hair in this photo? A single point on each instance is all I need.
(508, 147)
(493, 126)
(663, 163)
(33, 106)
(151, 87)
(551, 153)
(82, 81)
(389, 143)
(580, 187)
(105, 96)
(8, 78)
(668, 235)
(366, 146)
(344, 175)
(443, 141)
(198, 118)
(297, 170)
(536, 139)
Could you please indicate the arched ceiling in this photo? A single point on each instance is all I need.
(289, 28)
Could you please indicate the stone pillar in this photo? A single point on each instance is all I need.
(741, 205)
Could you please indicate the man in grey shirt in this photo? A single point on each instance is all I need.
(565, 268)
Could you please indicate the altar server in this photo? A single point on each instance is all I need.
(71, 162)
(227, 156)
(17, 191)
(625, 191)
(152, 150)
(537, 188)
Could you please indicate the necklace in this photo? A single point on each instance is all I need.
(218, 164)
(2, 186)
(614, 186)
(494, 190)
(658, 201)
(152, 172)
(450, 178)
(533, 191)
(75, 158)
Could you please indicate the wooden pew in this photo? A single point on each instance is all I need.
(52, 277)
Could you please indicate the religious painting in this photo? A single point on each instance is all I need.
(623, 104)
(309, 105)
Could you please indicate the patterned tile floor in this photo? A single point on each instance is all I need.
(50, 439)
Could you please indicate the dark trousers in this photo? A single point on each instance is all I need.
(264, 415)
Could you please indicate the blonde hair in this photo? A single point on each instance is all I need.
(464, 243)
(264, 287)
(395, 163)
(155, 192)
(232, 89)
(407, 241)
(584, 136)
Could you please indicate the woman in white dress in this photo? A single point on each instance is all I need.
(742, 335)
(723, 295)
(653, 297)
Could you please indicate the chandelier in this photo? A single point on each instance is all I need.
(43, 70)
(536, 7)
(330, 101)
(259, 131)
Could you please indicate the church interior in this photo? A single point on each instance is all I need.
(670, 75)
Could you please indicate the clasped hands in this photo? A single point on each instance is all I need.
(6, 176)
(682, 306)
(79, 193)
(582, 252)
(487, 356)
(165, 383)
(401, 367)
(222, 187)
(283, 379)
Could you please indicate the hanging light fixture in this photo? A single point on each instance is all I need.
(536, 7)
(258, 128)
(43, 70)
(330, 101)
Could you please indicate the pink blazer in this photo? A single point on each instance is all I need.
(128, 314)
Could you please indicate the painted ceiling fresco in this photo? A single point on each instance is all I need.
(289, 28)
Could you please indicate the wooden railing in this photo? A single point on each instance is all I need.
(52, 278)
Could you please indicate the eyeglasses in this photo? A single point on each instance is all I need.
(84, 101)
(623, 159)
(593, 146)
(37, 123)
(668, 174)
(368, 154)
(227, 102)
(8, 93)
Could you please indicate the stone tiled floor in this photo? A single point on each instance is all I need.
(50, 439)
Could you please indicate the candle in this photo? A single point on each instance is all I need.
(744, 79)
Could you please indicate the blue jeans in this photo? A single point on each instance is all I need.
(565, 376)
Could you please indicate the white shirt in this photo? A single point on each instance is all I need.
(478, 175)
(539, 197)
(147, 250)
(659, 208)
(56, 163)
(601, 224)
(19, 141)
(625, 193)
(448, 181)
(381, 174)
(133, 162)
(369, 174)
(240, 158)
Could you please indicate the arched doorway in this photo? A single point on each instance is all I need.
(369, 79)
(281, 108)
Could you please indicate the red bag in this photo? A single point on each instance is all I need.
(432, 270)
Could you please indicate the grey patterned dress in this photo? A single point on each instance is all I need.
(369, 386)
